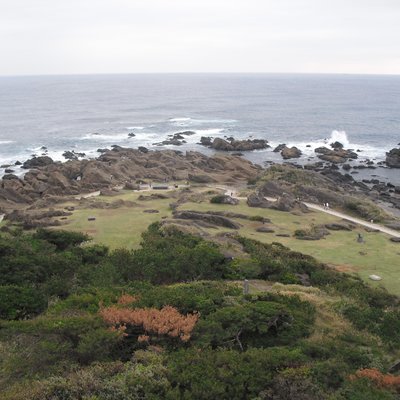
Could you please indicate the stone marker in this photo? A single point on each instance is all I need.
(375, 277)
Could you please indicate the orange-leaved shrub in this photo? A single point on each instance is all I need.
(167, 321)
(127, 299)
(378, 378)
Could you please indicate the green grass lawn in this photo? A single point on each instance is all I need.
(122, 227)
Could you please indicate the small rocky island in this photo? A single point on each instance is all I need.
(231, 144)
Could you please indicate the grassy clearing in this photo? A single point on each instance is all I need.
(122, 227)
(376, 256)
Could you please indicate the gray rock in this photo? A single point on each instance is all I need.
(393, 158)
(265, 229)
(37, 162)
(212, 219)
(290, 152)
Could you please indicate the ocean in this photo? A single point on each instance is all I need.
(87, 112)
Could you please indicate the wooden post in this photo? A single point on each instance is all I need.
(245, 287)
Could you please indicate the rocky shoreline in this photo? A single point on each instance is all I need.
(125, 167)
(120, 166)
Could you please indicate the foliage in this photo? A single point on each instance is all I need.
(227, 374)
(168, 256)
(17, 302)
(204, 296)
(219, 199)
(62, 239)
(167, 321)
(378, 378)
(204, 339)
(261, 322)
(144, 378)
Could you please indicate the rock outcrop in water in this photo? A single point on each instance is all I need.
(337, 156)
(232, 144)
(37, 162)
(393, 158)
(290, 152)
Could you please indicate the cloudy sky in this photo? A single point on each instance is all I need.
(119, 36)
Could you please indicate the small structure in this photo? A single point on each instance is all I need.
(91, 219)
(375, 278)
(160, 187)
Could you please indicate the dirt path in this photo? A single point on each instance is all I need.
(1, 217)
(233, 193)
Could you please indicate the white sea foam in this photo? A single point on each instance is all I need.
(339, 136)
(212, 131)
(308, 148)
(180, 119)
(136, 128)
(119, 137)
(6, 141)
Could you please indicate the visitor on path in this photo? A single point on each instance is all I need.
(327, 206)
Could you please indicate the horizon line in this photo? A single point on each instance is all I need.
(196, 73)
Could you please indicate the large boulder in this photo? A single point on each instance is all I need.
(209, 218)
(290, 152)
(257, 200)
(222, 145)
(337, 156)
(279, 148)
(206, 141)
(35, 162)
(337, 145)
(232, 144)
(224, 199)
(72, 155)
(393, 158)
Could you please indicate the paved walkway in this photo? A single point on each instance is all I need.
(233, 193)
(358, 221)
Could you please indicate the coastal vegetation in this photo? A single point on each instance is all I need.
(169, 319)
(163, 287)
(122, 227)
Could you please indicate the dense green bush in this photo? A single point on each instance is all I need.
(17, 302)
(220, 199)
(261, 322)
(258, 346)
(168, 256)
(203, 297)
(61, 239)
(227, 374)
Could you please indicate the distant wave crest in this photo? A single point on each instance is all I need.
(180, 119)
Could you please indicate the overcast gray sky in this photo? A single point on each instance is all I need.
(114, 36)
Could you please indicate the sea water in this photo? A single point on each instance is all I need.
(88, 112)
